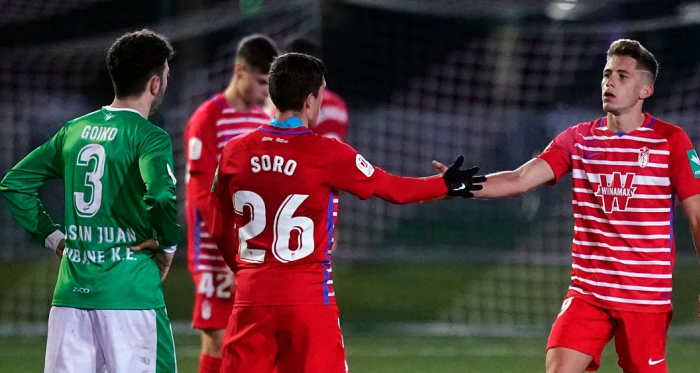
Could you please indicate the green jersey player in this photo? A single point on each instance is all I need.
(108, 311)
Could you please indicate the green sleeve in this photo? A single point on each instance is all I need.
(20, 187)
(156, 166)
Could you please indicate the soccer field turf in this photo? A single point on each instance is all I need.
(385, 354)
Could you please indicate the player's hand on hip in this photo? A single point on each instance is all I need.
(61, 246)
(163, 259)
(461, 183)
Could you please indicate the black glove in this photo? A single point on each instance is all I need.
(461, 183)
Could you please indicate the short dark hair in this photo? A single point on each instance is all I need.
(301, 45)
(632, 48)
(257, 52)
(135, 58)
(293, 76)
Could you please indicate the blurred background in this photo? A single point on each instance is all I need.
(462, 286)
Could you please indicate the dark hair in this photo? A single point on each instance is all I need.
(135, 58)
(293, 76)
(257, 52)
(632, 48)
(301, 45)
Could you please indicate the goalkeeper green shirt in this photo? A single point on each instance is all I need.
(120, 191)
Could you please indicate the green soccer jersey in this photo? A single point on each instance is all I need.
(120, 191)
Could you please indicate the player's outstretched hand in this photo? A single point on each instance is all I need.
(163, 259)
(461, 183)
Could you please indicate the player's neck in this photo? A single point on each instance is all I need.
(283, 116)
(139, 104)
(626, 122)
(234, 99)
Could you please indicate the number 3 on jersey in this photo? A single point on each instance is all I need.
(88, 208)
(285, 228)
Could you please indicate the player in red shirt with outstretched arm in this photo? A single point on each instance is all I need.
(273, 222)
(234, 112)
(627, 168)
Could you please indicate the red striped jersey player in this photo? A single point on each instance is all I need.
(225, 116)
(628, 168)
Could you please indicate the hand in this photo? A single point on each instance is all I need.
(61, 246)
(163, 259)
(461, 183)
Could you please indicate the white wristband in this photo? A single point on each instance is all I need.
(52, 240)
(170, 249)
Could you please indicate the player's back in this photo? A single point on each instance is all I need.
(106, 213)
(281, 182)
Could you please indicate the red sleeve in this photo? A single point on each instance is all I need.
(201, 150)
(223, 229)
(403, 190)
(347, 170)
(684, 166)
(558, 153)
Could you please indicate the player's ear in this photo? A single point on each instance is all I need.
(238, 69)
(309, 101)
(647, 91)
(154, 85)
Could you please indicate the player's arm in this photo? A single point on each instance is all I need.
(349, 171)
(223, 230)
(686, 183)
(512, 183)
(156, 166)
(548, 167)
(20, 189)
(201, 162)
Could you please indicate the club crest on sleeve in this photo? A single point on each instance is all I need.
(643, 157)
(364, 166)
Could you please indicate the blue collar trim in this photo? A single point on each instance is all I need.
(292, 122)
(305, 130)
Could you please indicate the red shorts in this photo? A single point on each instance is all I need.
(640, 338)
(213, 300)
(284, 339)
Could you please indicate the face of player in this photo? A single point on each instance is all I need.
(624, 85)
(158, 86)
(254, 87)
(313, 105)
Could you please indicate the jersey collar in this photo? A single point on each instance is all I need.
(121, 109)
(283, 131)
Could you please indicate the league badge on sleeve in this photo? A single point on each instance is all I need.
(694, 162)
(364, 166)
(643, 157)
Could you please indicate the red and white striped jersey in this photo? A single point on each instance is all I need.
(211, 126)
(332, 117)
(624, 187)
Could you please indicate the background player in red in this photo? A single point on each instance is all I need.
(231, 113)
(333, 115)
(627, 168)
(273, 221)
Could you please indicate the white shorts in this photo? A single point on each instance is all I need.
(113, 341)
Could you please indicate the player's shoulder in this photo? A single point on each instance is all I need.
(211, 108)
(665, 129)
